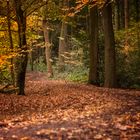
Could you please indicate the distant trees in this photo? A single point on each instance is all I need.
(46, 30)
(95, 33)
(137, 19)
(126, 13)
(117, 14)
(63, 46)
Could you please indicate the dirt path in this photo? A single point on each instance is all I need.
(60, 110)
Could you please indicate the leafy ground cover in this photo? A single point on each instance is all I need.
(61, 110)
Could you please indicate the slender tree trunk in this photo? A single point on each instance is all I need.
(11, 42)
(126, 14)
(137, 6)
(126, 21)
(47, 49)
(117, 15)
(93, 22)
(22, 58)
(31, 59)
(62, 46)
(122, 22)
(110, 62)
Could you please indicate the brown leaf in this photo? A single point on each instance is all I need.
(3, 124)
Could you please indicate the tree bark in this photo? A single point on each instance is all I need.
(126, 21)
(22, 58)
(137, 7)
(117, 15)
(11, 42)
(110, 61)
(93, 23)
(31, 60)
(48, 49)
(62, 46)
(126, 14)
(121, 10)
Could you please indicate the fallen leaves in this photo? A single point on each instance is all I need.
(3, 124)
(98, 136)
(121, 127)
(63, 110)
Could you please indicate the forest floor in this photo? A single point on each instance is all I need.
(60, 110)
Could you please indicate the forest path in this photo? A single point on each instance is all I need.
(60, 110)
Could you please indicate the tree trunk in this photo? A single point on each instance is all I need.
(126, 21)
(22, 58)
(31, 60)
(137, 6)
(62, 39)
(117, 15)
(121, 10)
(110, 64)
(93, 23)
(62, 46)
(11, 42)
(48, 49)
(126, 14)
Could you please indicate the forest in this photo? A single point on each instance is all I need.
(69, 69)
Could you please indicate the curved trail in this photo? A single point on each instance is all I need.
(60, 110)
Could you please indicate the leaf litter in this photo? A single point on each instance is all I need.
(61, 110)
